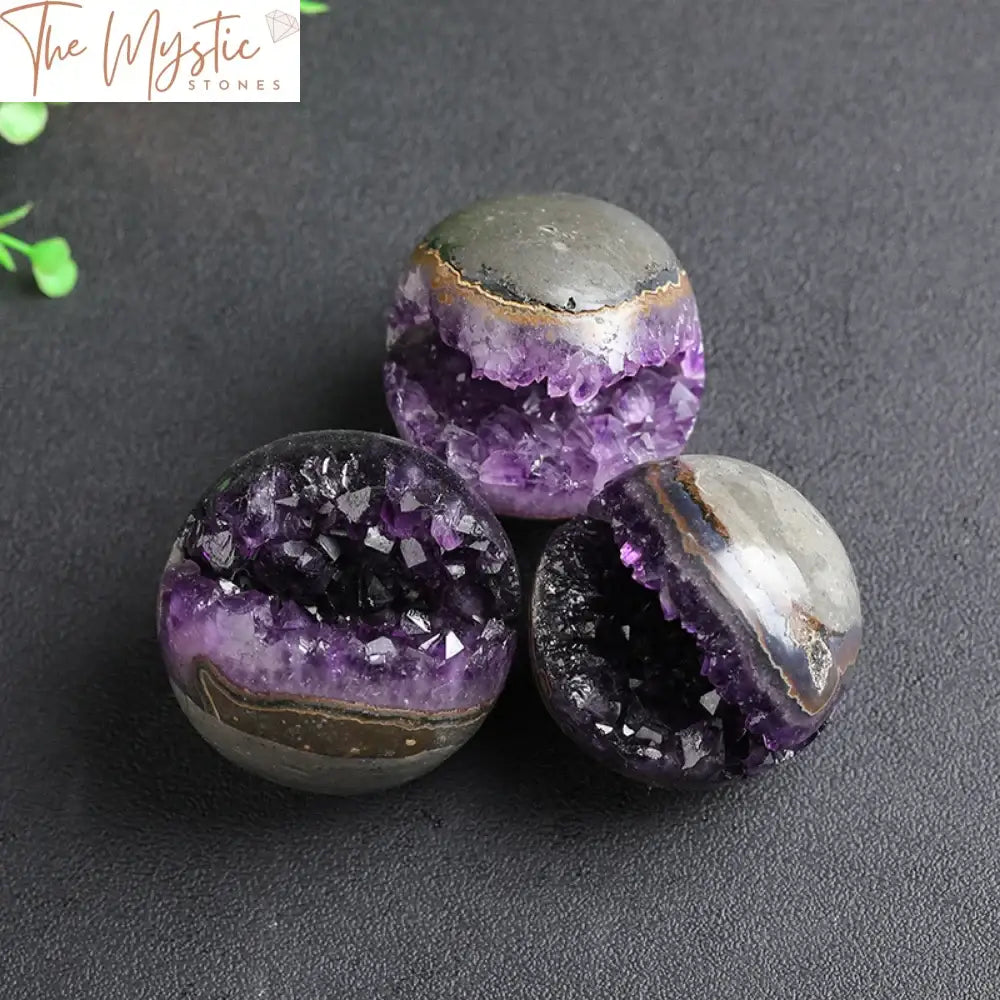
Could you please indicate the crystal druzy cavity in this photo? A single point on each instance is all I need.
(542, 345)
(337, 612)
(697, 625)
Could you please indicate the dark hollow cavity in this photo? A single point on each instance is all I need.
(623, 678)
(363, 559)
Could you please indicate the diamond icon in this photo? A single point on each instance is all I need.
(281, 25)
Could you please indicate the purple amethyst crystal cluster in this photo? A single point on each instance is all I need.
(542, 346)
(697, 625)
(337, 612)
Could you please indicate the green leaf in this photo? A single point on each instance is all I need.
(53, 266)
(16, 215)
(313, 7)
(21, 123)
(53, 252)
(6, 260)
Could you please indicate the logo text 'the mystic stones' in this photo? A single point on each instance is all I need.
(189, 50)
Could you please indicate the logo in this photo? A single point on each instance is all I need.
(134, 50)
(281, 25)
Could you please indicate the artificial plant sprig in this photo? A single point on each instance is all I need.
(51, 260)
(22, 122)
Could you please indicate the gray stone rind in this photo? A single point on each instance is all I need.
(565, 251)
(781, 549)
(308, 772)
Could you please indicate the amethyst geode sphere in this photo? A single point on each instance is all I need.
(542, 345)
(697, 625)
(337, 613)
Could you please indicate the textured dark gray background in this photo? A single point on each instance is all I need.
(829, 174)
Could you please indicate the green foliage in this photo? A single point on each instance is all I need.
(53, 266)
(51, 260)
(8, 219)
(21, 123)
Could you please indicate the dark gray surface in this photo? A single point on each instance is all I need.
(828, 174)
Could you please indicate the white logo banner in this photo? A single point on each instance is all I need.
(182, 51)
